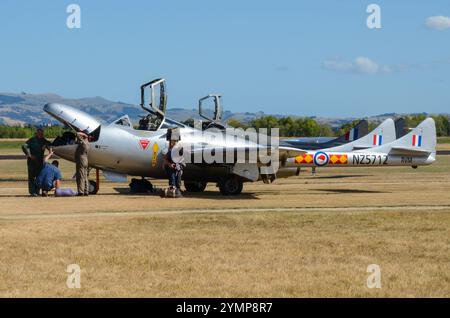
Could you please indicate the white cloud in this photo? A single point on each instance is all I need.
(361, 65)
(439, 23)
(365, 65)
(337, 65)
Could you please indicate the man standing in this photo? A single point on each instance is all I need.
(34, 150)
(170, 165)
(82, 165)
(174, 163)
(49, 177)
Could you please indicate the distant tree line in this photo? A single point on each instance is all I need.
(442, 123)
(289, 126)
(29, 131)
(309, 127)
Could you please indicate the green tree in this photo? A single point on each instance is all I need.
(442, 125)
(293, 127)
(28, 131)
(235, 123)
(348, 126)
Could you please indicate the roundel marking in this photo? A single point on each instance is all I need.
(321, 159)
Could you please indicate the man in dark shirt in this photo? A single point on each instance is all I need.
(34, 150)
(170, 166)
(49, 177)
(174, 167)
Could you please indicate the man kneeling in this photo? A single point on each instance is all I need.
(50, 176)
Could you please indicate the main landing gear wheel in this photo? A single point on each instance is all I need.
(231, 185)
(195, 186)
(93, 187)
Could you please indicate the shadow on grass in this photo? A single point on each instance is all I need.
(341, 176)
(13, 179)
(200, 195)
(349, 191)
(13, 157)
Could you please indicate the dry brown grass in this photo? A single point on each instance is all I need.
(443, 146)
(240, 255)
(132, 245)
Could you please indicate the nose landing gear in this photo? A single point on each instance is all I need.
(93, 188)
(231, 185)
(195, 186)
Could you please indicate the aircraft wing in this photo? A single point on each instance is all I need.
(226, 153)
(284, 152)
(288, 152)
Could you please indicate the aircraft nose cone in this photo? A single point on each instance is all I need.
(72, 117)
(52, 108)
(55, 109)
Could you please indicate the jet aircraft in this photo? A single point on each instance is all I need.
(119, 150)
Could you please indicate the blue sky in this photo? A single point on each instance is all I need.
(285, 57)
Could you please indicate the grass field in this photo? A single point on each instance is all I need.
(13, 146)
(444, 140)
(299, 237)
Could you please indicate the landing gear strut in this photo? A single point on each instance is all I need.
(195, 186)
(231, 185)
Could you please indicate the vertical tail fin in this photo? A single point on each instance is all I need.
(383, 134)
(400, 127)
(421, 140)
(360, 130)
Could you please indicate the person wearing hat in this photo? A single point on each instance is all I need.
(34, 149)
(174, 162)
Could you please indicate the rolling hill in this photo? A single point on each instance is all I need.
(26, 109)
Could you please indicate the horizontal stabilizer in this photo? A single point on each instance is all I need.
(408, 151)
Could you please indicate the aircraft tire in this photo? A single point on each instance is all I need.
(231, 185)
(92, 187)
(195, 186)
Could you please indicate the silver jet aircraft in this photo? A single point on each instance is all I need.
(414, 149)
(119, 150)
